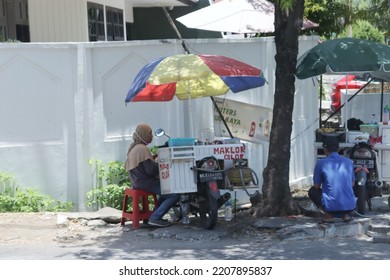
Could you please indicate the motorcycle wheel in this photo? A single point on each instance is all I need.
(208, 211)
(361, 199)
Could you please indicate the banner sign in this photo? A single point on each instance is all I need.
(246, 121)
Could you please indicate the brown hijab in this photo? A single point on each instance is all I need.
(138, 150)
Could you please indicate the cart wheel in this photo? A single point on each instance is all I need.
(208, 211)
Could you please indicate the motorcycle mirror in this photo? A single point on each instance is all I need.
(160, 132)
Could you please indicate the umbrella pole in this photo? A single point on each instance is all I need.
(381, 109)
(345, 119)
(221, 116)
(320, 118)
(175, 29)
(191, 119)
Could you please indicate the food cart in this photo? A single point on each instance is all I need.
(182, 171)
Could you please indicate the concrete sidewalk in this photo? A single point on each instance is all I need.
(374, 223)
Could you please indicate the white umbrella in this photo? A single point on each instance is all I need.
(236, 16)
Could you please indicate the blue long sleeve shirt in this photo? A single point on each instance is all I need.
(336, 175)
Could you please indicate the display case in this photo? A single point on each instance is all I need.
(175, 169)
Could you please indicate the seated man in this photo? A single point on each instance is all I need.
(144, 173)
(333, 183)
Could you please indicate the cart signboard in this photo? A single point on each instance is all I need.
(246, 121)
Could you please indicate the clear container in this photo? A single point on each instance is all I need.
(373, 119)
(228, 211)
(385, 119)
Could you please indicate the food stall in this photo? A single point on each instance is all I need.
(346, 56)
(371, 101)
(198, 171)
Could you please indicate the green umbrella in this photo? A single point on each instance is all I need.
(345, 56)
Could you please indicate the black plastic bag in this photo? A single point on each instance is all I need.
(354, 124)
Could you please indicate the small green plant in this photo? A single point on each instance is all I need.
(7, 203)
(15, 199)
(111, 179)
(8, 184)
(31, 200)
(117, 174)
(109, 195)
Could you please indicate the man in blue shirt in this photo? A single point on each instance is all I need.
(333, 180)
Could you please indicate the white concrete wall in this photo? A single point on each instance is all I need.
(63, 104)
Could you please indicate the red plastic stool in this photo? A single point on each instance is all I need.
(137, 214)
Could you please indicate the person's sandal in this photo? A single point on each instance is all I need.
(348, 220)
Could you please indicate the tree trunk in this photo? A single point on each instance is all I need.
(277, 199)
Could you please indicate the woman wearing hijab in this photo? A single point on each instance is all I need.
(143, 172)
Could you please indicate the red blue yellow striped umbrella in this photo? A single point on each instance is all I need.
(188, 76)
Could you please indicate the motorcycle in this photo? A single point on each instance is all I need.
(208, 199)
(205, 202)
(367, 185)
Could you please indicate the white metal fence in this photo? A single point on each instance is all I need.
(62, 104)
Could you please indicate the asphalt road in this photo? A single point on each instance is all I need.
(56, 237)
(344, 248)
